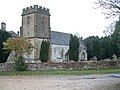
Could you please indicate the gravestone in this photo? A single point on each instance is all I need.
(114, 57)
(94, 58)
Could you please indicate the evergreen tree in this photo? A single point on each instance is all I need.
(44, 51)
(116, 39)
(93, 46)
(3, 53)
(74, 48)
(106, 47)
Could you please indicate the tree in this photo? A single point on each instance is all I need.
(107, 49)
(102, 47)
(93, 47)
(74, 48)
(109, 29)
(111, 7)
(44, 51)
(3, 53)
(116, 38)
(20, 46)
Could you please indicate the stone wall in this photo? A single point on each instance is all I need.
(68, 65)
(6, 66)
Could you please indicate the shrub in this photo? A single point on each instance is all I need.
(44, 52)
(4, 55)
(20, 64)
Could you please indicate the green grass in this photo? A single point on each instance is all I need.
(58, 72)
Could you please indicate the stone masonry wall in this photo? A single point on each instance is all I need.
(68, 65)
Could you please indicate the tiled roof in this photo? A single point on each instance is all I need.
(59, 38)
(13, 34)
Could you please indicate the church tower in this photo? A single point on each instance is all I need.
(35, 26)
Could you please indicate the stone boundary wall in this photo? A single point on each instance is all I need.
(68, 65)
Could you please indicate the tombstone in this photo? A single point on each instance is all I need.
(71, 61)
(94, 58)
(114, 57)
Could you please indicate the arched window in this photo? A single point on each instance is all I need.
(62, 53)
(83, 56)
(28, 19)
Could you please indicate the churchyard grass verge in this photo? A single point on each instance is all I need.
(59, 72)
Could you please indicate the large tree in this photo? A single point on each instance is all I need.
(111, 7)
(102, 47)
(3, 53)
(107, 49)
(3, 37)
(116, 38)
(93, 46)
(74, 48)
(20, 46)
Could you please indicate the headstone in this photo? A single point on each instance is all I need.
(94, 58)
(72, 61)
(114, 57)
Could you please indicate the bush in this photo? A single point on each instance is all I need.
(4, 55)
(20, 64)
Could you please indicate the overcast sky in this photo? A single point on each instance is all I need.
(70, 16)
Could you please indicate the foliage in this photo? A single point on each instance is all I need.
(116, 38)
(74, 48)
(107, 49)
(20, 64)
(111, 7)
(93, 46)
(110, 29)
(21, 46)
(106, 46)
(3, 53)
(44, 51)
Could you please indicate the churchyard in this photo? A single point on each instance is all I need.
(41, 59)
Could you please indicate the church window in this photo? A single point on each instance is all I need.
(62, 52)
(28, 33)
(54, 50)
(43, 22)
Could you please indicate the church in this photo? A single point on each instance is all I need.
(36, 27)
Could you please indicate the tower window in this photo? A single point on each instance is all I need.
(28, 20)
(28, 33)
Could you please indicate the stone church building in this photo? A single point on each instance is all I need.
(36, 27)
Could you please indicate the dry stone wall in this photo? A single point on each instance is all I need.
(68, 65)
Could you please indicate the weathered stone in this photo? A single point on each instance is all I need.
(114, 57)
(94, 58)
(67, 66)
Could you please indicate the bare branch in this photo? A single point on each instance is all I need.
(109, 29)
(111, 8)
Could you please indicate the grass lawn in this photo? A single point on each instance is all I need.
(58, 72)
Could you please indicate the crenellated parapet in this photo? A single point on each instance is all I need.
(35, 9)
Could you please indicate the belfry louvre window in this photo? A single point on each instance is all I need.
(28, 20)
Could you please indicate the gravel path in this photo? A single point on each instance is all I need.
(87, 82)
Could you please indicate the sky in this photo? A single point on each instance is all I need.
(69, 16)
